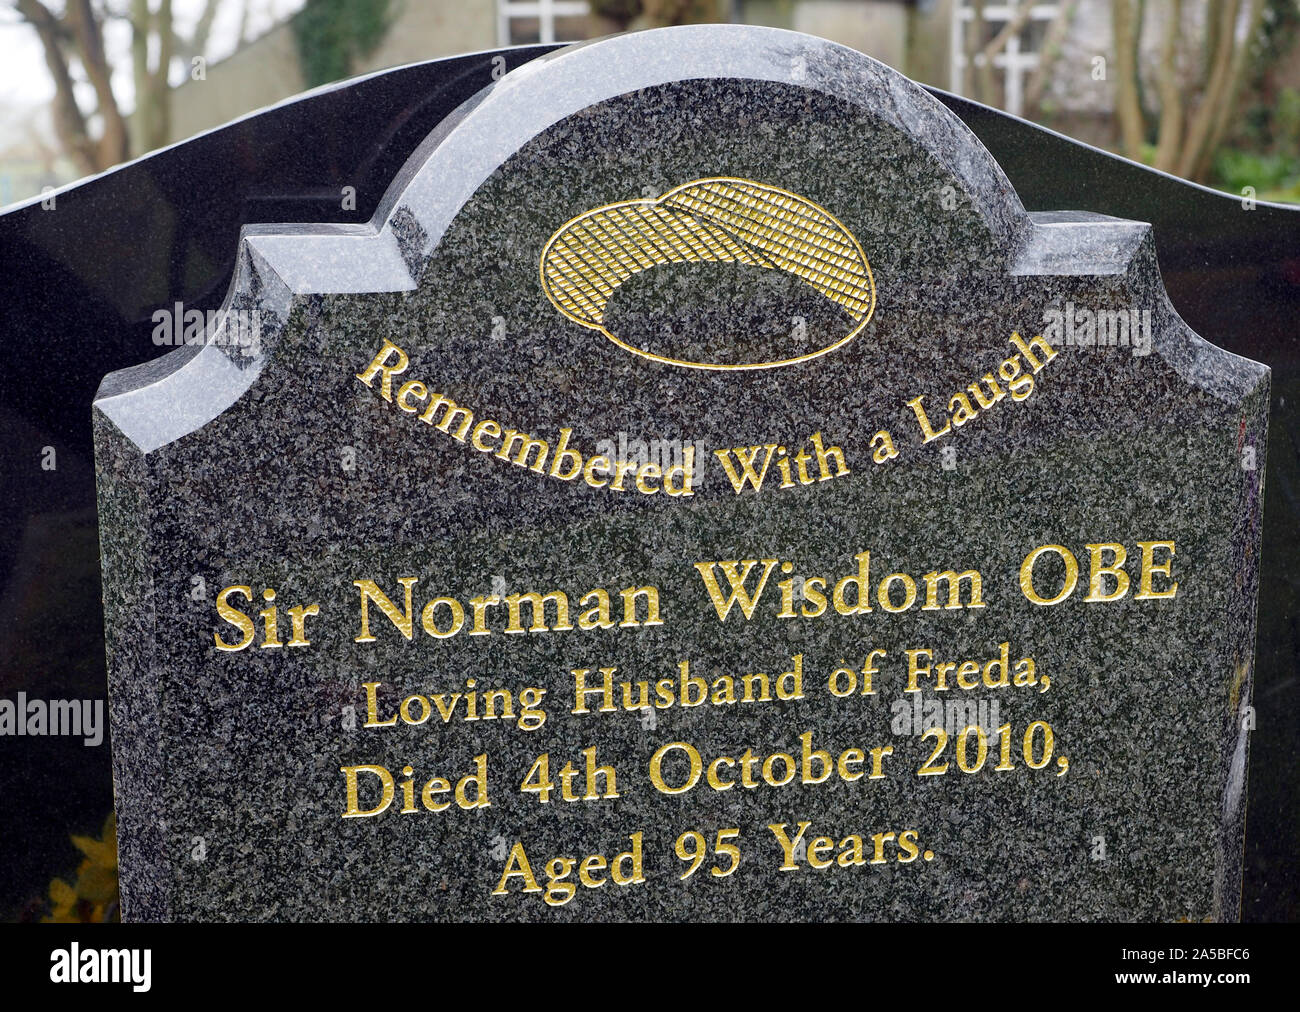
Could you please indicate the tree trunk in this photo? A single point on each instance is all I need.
(1171, 101)
(1216, 91)
(141, 21)
(114, 143)
(161, 95)
(974, 31)
(1228, 105)
(1128, 108)
(152, 94)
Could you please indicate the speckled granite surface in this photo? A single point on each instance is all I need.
(270, 464)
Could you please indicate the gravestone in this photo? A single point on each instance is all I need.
(704, 493)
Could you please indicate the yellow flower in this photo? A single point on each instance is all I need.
(93, 897)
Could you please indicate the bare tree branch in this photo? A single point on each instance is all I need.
(196, 44)
(1048, 54)
(1012, 27)
(114, 143)
(999, 43)
(69, 120)
(198, 41)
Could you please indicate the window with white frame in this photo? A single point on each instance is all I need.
(523, 22)
(1014, 60)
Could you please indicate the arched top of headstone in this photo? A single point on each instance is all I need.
(714, 198)
(637, 89)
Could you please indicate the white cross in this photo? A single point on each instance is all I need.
(545, 11)
(1014, 63)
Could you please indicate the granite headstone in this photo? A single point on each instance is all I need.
(704, 492)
